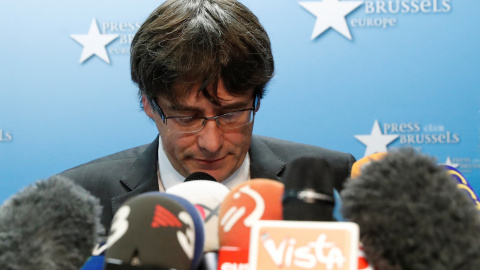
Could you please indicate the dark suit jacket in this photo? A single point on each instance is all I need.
(115, 178)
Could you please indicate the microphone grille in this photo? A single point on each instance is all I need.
(200, 176)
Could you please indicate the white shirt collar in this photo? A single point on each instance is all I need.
(170, 177)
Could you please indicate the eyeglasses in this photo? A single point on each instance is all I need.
(191, 124)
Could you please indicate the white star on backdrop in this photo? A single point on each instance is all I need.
(94, 43)
(331, 13)
(450, 163)
(376, 141)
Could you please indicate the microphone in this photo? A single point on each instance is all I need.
(308, 190)
(209, 261)
(245, 204)
(206, 196)
(154, 231)
(356, 171)
(280, 244)
(51, 224)
(412, 215)
(358, 165)
(94, 262)
(198, 225)
(200, 176)
(97, 260)
(463, 184)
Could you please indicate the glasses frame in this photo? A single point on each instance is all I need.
(205, 119)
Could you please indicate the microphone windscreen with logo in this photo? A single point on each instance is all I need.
(199, 227)
(51, 224)
(257, 199)
(308, 190)
(245, 204)
(152, 230)
(207, 197)
(200, 176)
(412, 215)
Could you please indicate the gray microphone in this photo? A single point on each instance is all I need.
(412, 215)
(51, 224)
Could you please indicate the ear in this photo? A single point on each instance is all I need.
(258, 105)
(147, 108)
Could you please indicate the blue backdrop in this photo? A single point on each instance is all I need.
(354, 76)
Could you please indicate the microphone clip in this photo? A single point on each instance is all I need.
(308, 196)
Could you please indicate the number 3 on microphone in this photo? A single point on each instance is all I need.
(187, 239)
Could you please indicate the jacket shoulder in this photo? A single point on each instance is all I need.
(288, 151)
(111, 166)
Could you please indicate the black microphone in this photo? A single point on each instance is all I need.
(51, 224)
(200, 176)
(412, 215)
(308, 190)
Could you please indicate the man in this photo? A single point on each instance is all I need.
(202, 67)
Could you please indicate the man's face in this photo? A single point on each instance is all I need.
(212, 150)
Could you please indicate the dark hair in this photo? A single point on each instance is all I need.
(187, 43)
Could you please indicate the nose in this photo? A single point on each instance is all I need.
(210, 138)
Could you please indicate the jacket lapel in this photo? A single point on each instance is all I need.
(142, 176)
(263, 161)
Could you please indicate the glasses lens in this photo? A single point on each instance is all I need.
(235, 119)
(229, 120)
(185, 124)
